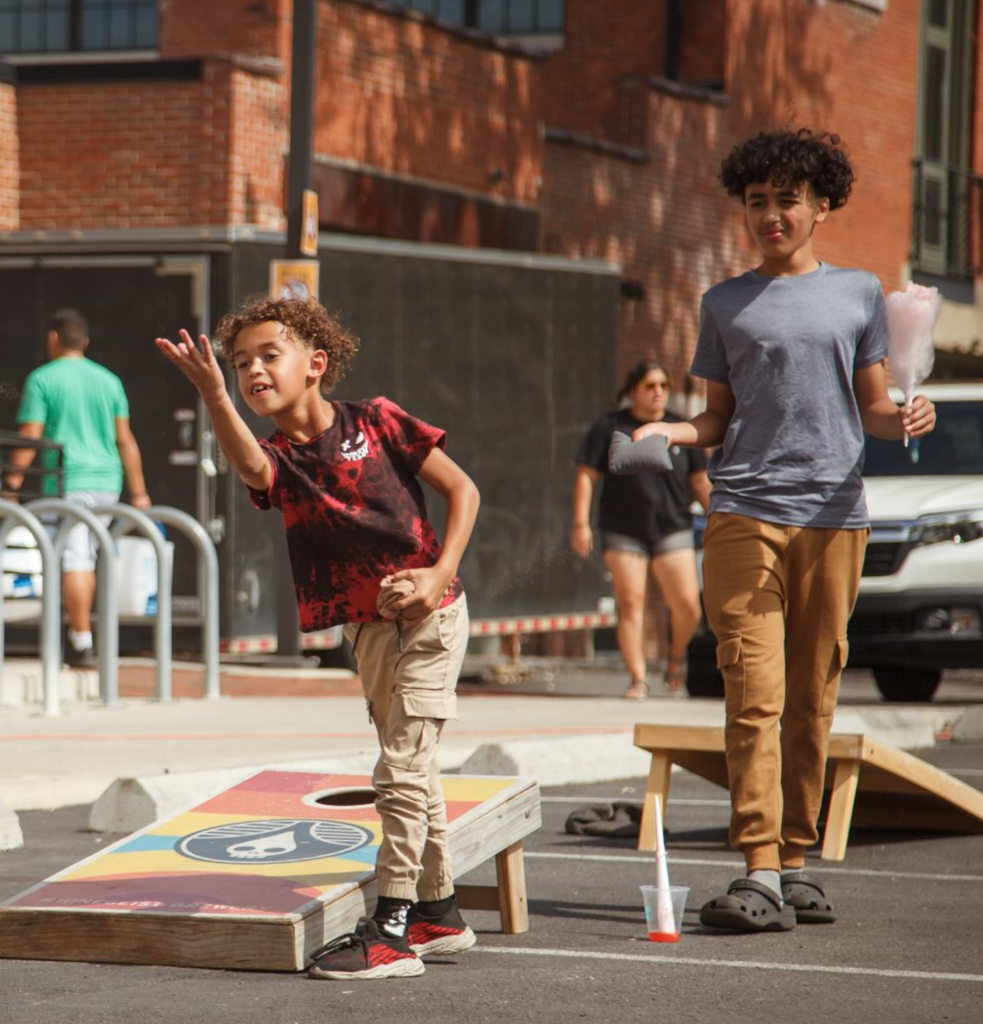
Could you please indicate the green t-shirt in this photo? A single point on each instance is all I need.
(78, 401)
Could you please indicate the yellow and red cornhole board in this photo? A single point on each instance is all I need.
(259, 875)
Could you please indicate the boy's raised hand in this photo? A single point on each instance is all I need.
(197, 364)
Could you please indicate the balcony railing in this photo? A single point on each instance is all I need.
(947, 220)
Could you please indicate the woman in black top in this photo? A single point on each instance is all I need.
(645, 526)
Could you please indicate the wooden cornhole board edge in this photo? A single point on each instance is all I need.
(856, 764)
(493, 828)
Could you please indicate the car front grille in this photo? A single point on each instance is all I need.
(883, 558)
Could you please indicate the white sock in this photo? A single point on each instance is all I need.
(80, 641)
(770, 878)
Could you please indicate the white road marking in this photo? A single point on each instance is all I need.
(628, 799)
(646, 858)
(875, 972)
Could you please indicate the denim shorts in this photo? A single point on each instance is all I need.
(678, 541)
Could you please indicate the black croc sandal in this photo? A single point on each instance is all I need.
(748, 907)
(806, 895)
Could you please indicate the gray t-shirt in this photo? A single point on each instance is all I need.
(788, 348)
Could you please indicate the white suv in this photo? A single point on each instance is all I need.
(920, 607)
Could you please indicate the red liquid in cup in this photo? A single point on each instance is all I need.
(663, 936)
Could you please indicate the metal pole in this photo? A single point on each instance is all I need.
(208, 583)
(50, 602)
(130, 518)
(301, 119)
(107, 603)
(298, 180)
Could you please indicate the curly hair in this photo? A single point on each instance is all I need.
(787, 158)
(307, 320)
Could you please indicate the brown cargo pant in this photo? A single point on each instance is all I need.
(778, 599)
(409, 673)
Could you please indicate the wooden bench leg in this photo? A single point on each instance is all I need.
(841, 800)
(660, 772)
(508, 897)
(512, 890)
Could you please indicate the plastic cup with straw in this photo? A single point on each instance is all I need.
(664, 903)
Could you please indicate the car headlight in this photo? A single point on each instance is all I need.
(955, 527)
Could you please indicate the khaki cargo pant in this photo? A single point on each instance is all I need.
(778, 599)
(409, 674)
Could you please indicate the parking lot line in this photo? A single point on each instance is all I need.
(688, 961)
(687, 801)
(644, 858)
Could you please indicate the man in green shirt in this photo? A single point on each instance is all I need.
(81, 406)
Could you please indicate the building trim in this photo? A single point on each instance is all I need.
(42, 243)
(568, 138)
(378, 172)
(470, 35)
(685, 91)
(85, 72)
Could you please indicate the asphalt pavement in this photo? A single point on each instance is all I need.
(906, 948)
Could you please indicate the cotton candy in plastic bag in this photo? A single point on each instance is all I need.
(911, 317)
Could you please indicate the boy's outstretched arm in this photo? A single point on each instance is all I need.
(705, 430)
(880, 416)
(236, 440)
(448, 479)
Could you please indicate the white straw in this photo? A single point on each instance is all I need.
(665, 922)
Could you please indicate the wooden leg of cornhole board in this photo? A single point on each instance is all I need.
(840, 812)
(508, 897)
(660, 772)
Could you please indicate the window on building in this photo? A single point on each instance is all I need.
(500, 17)
(947, 194)
(64, 26)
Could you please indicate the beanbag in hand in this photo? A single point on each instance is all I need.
(626, 456)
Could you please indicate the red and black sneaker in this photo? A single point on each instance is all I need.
(365, 954)
(433, 936)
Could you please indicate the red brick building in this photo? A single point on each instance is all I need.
(582, 128)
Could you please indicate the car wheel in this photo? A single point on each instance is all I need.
(909, 685)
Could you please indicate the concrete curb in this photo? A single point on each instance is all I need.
(562, 760)
(11, 836)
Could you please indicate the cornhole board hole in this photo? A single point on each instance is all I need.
(868, 783)
(259, 875)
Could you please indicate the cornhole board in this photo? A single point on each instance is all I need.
(260, 874)
(867, 783)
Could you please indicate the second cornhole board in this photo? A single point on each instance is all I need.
(868, 783)
(260, 874)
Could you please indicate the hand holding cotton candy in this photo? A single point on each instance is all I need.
(911, 317)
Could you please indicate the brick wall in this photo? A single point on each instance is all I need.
(407, 97)
(842, 67)
(662, 219)
(9, 160)
(837, 66)
(134, 155)
(604, 42)
(260, 139)
(197, 28)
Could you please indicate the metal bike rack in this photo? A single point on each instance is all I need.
(134, 519)
(107, 599)
(208, 585)
(50, 600)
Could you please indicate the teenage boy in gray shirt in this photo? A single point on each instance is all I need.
(793, 355)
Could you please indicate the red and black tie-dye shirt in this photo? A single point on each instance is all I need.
(353, 508)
